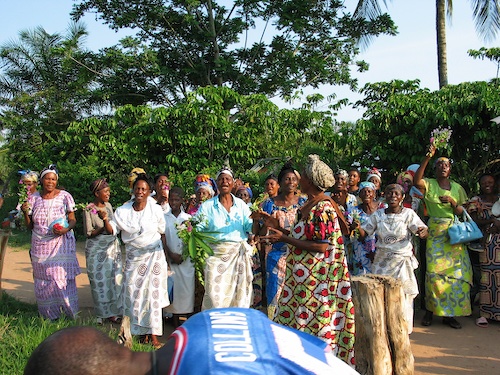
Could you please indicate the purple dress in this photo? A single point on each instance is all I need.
(54, 261)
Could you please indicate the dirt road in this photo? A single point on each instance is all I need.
(437, 349)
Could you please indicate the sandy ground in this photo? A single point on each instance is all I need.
(437, 349)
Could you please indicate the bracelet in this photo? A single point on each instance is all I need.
(428, 155)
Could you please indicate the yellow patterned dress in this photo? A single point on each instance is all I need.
(449, 272)
(316, 296)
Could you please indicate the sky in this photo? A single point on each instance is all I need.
(409, 55)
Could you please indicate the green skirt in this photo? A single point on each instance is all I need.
(449, 272)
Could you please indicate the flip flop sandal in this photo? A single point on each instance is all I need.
(482, 322)
(115, 319)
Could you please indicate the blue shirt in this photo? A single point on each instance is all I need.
(232, 226)
(244, 341)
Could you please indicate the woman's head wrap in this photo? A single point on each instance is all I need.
(320, 174)
(342, 172)
(98, 185)
(27, 175)
(395, 187)
(403, 176)
(412, 168)
(133, 175)
(225, 170)
(247, 188)
(50, 169)
(204, 181)
(287, 168)
(374, 172)
(367, 185)
(442, 159)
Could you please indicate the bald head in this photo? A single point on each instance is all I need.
(78, 351)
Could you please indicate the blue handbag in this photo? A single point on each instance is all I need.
(464, 231)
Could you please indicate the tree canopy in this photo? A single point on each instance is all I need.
(266, 47)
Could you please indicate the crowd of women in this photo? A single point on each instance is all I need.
(293, 256)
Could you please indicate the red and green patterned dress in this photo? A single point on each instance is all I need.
(317, 296)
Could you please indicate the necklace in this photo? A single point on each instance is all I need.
(392, 219)
(138, 216)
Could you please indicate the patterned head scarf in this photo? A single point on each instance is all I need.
(367, 185)
(342, 172)
(28, 175)
(403, 176)
(50, 169)
(442, 159)
(247, 188)
(374, 172)
(98, 185)
(225, 170)
(204, 181)
(320, 174)
(395, 187)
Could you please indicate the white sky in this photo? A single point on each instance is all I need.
(409, 55)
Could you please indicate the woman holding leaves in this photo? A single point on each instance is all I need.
(103, 255)
(228, 272)
(449, 273)
(28, 190)
(53, 248)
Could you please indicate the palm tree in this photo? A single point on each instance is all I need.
(486, 15)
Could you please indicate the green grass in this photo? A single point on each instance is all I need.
(22, 329)
(20, 239)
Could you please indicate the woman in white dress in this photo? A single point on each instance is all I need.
(142, 225)
(394, 227)
(183, 270)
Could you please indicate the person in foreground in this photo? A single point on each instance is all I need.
(449, 273)
(317, 296)
(218, 341)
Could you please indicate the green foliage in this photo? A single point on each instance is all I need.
(492, 54)
(197, 135)
(396, 127)
(273, 48)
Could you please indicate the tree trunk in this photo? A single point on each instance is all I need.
(382, 342)
(441, 42)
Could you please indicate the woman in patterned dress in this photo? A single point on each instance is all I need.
(53, 248)
(316, 296)
(363, 250)
(283, 211)
(449, 273)
(481, 210)
(145, 290)
(103, 255)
